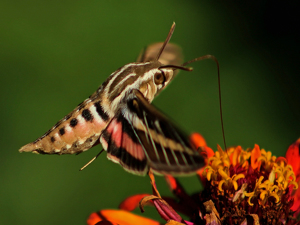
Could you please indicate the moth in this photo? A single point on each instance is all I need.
(119, 116)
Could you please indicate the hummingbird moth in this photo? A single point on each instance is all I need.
(120, 117)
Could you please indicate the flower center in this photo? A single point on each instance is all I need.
(252, 180)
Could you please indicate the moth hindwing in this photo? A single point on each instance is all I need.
(120, 117)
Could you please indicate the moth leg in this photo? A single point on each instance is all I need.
(92, 160)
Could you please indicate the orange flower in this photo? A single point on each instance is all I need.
(240, 187)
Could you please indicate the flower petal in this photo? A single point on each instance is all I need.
(199, 142)
(130, 203)
(293, 157)
(296, 205)
(255, 154)
(172, 222)
(234, 157)
(119, 217)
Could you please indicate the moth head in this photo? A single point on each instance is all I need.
(163, 58)
(154, 80)
(157, 79)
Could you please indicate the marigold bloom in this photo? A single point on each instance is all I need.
(240, 187)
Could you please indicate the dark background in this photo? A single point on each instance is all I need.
(54, 54)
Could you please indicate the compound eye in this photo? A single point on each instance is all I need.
(159, 78)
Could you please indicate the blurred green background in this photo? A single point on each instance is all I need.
(54, 54)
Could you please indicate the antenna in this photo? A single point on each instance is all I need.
(167, 40)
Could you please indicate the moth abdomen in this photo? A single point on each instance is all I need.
(75, 133)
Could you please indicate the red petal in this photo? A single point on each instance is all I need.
(296, 204)
(200, 175)
(197, 140)
(119, 217)
(173, 184)
(93, 219)
(255, 154)
(293, 157)
(130, 203)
